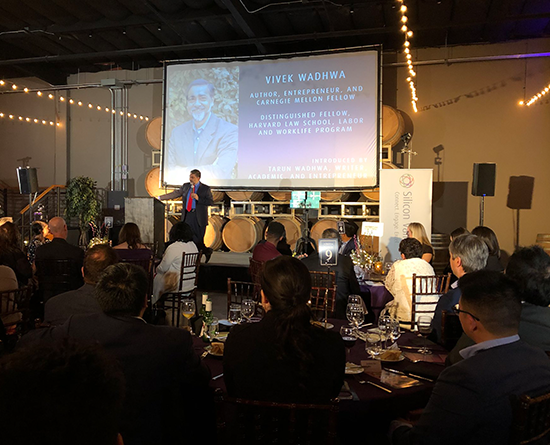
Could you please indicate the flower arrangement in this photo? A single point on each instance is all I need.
(99, 235)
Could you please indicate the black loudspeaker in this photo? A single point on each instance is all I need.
(520, 192)
(28, 181)
(483, 183)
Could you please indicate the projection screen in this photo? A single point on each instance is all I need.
(288, 123)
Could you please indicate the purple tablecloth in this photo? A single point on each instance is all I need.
(379, 297)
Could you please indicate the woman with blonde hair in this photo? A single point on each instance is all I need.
(417, 231)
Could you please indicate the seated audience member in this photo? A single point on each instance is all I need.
(283, 247)
(417, 230)
(284, 358)
(470, 403)
(348, 238)
(130, 246)
(346, 281)
(8, 281)
(168, 271)
(454, 234)
(39, 232)
(165, 380)
(489, 237)
(468, 253)
(399, 278)
(11, 254)
(82, 300)
(60, 394)
(529, 268)
(267, 249)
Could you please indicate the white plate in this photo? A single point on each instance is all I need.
(401, 358)
(322, 324)
(354, 370)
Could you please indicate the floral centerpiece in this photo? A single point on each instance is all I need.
(99, 235)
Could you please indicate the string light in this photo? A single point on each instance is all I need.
(543, 92)
(407, 51)
(29, 119)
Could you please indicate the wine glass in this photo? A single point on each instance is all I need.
(424, 324)
(247, 308)
(188, 311)
(384, 324)
(355, 314)
(349, 337)
(357, 299)
(373, 344)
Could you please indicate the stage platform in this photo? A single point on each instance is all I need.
(223, 265)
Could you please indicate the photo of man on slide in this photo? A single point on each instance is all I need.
(205, 142)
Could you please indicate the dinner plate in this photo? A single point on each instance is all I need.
(401, 358)
(209, 350)
(321, 324)
(354, 370)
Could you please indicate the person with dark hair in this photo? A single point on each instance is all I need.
(346, 281)
(458, 232)
(490, 238)
(130, 246)
(11, 254)
(196, 199)
(39, 232)
(399, 278)
(284, 358)
(267, 249)
(468, 253)
(168, 271)
(470, 402)
(348, 238)
(205, 142)
(82, 300)
(163, 373)
(60, 394)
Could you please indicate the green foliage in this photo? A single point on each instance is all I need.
(226, 99)
(82, 201)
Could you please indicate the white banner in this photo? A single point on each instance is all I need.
(405, 197)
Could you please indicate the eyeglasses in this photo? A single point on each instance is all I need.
(457, 311)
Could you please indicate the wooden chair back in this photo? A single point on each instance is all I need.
(531, 419)
(255, 270)
(57, 276)
(323, 288)
(426, 290)
(240, 421)
(15, 306)
(147, 264)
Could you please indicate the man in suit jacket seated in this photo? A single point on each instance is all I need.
(166, 384)
(82, 300)
(470, 403)
(468, 253)
(346, 281)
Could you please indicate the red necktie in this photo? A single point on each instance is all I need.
(190, 200)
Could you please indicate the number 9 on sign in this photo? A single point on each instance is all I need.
(328, 252)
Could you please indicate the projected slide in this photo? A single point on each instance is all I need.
(309, 122)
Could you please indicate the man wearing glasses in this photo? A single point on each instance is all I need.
(470, 403)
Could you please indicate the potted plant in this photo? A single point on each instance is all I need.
(82, 202)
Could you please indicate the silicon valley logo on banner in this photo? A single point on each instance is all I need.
(406, 180)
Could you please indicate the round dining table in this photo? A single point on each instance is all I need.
(366, 408)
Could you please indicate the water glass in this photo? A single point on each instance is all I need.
(424, 324)
(373, 344)
(355, 314)
(213, 328)
(235, 313)
(248, 308)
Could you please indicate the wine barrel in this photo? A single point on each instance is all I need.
(371, 195)
(440, 244)
(241, 234)
(543, 240)
(281, 196)
(293, 229)
(152, 183)
(245, 196)
(153, 132)
(393, 125)
(213, 235)
(334, 196)
(218, 195)
(320, 226)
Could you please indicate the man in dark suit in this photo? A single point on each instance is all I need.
(468, 253)
(348, 238)
(82, 300)
(470, 403)
(346, 281)
(166, 384)
(196, 199)
(58, 249)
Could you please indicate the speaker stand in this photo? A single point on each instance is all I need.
(516, 236)
(481, 210)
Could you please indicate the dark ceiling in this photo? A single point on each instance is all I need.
(51, 39)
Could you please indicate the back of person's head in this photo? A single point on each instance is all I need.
(471, 250)
(96, 260)
(419, 232)
(490, 238)
(60, 394)
(130, 234)
(332, 234)
(181, 231)
(275, 231)
(121, 290)
(529, 268)
(57, 226)
(411, 248)
(492, 297)
(458, 232)
(9, 237)
(37, 228)
(350, 229)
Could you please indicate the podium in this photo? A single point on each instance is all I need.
(148, 214)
